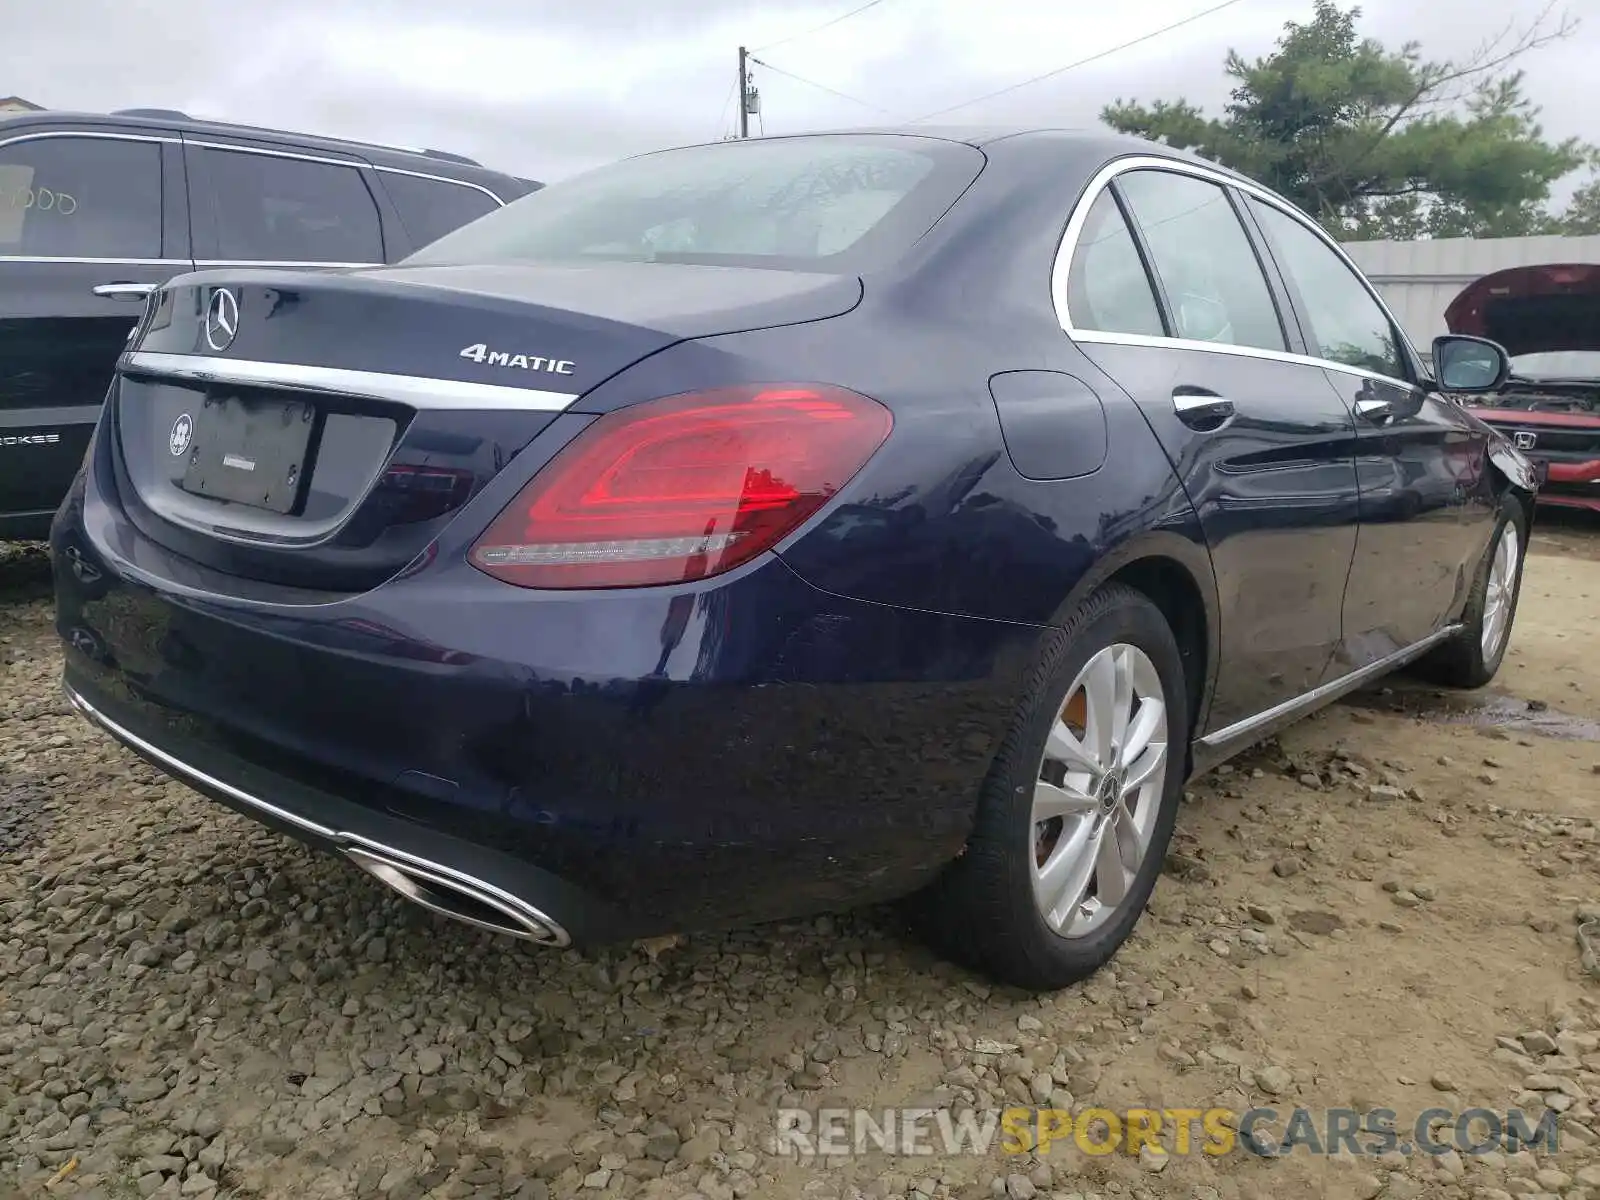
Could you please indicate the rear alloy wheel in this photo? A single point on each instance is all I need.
(1472, 658)
(1078, 808)
(1099, 790)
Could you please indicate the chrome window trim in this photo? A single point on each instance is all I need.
(477, 187)
(354, 163)
(105, 262)
(414, 391)
(1106, 175)
(285, 262)
(40, 135)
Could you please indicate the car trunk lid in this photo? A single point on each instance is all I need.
(318, 429)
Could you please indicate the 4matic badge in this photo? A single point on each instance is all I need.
(481, 353)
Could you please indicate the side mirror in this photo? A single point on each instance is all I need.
(1469, 364)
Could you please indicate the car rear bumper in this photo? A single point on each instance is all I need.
(617, 764)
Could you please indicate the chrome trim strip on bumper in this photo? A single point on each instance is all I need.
(1326, 692)
(413, 390)
(339, 838)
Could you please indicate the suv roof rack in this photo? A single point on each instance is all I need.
(447, 156)
(160, 114)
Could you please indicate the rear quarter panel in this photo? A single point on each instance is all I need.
(941, 519)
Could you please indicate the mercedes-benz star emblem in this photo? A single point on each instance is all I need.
(222, 319)
(182, 433)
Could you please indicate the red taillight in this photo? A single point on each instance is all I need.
(682, 487)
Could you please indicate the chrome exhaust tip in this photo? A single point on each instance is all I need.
(458, 896)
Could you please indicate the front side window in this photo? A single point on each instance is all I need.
(819, 202)
(1205, 260)
(77, 197)
(1347, 325)
(1107, 287)
(273, 209)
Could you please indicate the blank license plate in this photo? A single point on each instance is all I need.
(250, 451)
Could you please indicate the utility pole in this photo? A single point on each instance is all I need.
(744, 94)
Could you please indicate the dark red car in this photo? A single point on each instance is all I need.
(1548, 319)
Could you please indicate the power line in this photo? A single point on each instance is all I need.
(825, 25)
(1082, 62)
(722, 120)
(821, 87)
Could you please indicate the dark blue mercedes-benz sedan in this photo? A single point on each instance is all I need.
(760, 528)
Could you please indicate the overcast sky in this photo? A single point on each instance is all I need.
(546, 88)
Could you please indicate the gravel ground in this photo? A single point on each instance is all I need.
(1378, 910)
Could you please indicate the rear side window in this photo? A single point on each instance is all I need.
(430, 209)
(821, 202)
(1347, 325)
(1205, 260)
(68, 197)
(1107, 287)
(271, 209)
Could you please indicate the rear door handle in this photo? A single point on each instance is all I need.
(125, 291)
(1200, 409)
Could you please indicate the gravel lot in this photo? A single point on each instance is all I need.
(1377, 911)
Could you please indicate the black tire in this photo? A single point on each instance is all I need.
(981, 911)
(1461, 662)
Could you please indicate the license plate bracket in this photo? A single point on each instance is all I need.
(250, 451)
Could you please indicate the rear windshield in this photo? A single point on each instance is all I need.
(833, 203)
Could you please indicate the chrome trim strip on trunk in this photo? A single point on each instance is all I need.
(1325, 693)
(343, 840)
(415, 391)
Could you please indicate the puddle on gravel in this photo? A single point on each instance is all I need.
(1481, 709)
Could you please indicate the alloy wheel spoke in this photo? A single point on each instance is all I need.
(1148, 722)
(1146, 768)
(1063, 746)
(1050, 801)
(1117, 860)
(1060, 884)
(1100, 695)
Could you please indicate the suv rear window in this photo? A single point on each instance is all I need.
(818, 202)
(275, 208)
(430, 208)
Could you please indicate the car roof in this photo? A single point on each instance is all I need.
(1088, 143)
(153, 120)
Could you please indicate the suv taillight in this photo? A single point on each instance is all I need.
(682, 487)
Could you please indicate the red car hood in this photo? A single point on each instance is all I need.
(1528, 310)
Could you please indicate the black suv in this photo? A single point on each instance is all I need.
(97, 210)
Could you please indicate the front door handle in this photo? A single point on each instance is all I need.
(1201, 409)
(125, 291)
